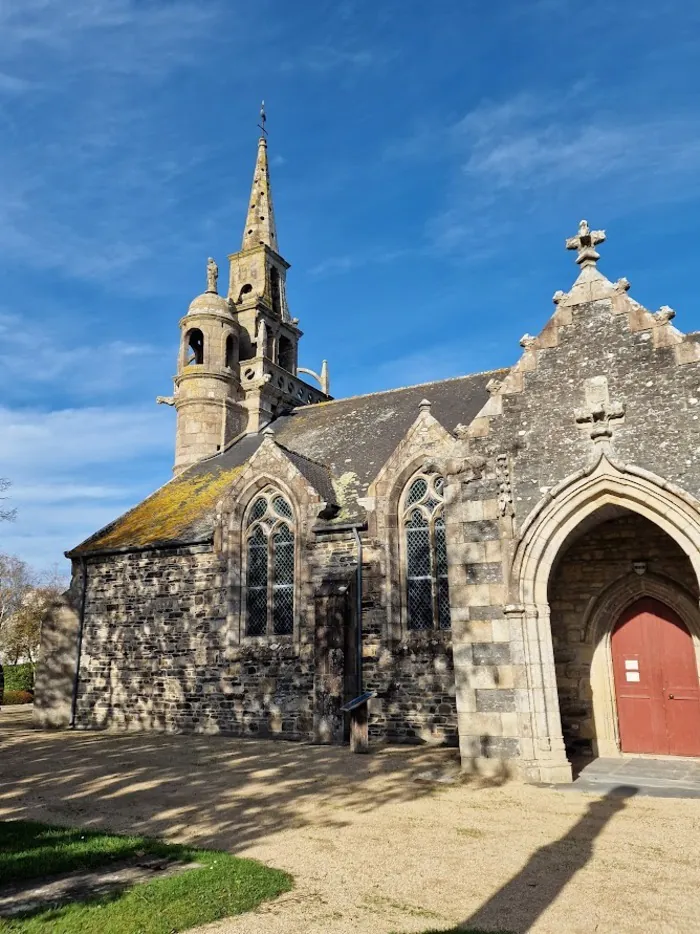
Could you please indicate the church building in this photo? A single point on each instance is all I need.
(508, 561)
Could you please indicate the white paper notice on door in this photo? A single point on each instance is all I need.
(631, 664)
(632, 675)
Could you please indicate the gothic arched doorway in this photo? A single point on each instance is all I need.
(571, 588)
(622, 594)
(656, 681)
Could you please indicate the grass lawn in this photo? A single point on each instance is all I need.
(225, 885)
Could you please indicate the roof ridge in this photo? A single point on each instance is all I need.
(384, 392)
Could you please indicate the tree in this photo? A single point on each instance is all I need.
(25, 601)
(6, 515)
(16, 580)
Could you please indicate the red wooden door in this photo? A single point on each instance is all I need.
(656, 681)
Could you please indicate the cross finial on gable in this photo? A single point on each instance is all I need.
(585, 242)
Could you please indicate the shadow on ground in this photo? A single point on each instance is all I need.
(517, 905)
(219, 791)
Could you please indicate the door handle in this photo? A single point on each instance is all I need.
(671, 696)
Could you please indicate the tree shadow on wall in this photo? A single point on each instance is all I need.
(520, 902)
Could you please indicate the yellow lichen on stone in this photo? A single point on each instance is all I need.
(166, 514)
(346, 488)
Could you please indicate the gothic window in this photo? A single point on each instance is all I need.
(195, 347)
(269, 572)
(423, 521)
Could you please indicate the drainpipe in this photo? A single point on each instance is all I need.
(358, 609)
(81, 625)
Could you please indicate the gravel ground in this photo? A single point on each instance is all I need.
(372, 847)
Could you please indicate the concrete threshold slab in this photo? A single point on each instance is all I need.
(657, 777)
(32, 895)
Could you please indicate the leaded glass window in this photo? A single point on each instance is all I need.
(427, 592)
(269, 573)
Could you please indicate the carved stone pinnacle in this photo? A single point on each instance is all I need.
(664, 315)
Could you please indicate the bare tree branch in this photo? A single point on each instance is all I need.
(6, 515)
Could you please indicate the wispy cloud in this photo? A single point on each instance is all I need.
(93, 195)
(49, 442)
(327, 58)
(335, 265)
(54, 460)
(525, 155)
(35, 360)
(530, 142)
(122, 35)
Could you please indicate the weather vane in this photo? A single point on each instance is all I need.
(263, 118)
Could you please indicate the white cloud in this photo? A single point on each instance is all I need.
(344, 263)
(39, 443)
(533, 156)
(531, 143)
(34, 358)
(122, 35)
(75, 470)
(92, 193)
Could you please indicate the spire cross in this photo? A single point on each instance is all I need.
(585, 242)
(263, 119)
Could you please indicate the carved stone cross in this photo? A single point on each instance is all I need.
(599, 416)
(585, 242)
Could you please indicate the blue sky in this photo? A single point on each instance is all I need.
(428, 160)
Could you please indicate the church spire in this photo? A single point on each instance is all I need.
(260, 222)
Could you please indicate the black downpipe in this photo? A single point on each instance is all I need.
(358, 609)
(81, 625)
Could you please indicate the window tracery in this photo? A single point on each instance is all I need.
(425, 552)
(269, 573)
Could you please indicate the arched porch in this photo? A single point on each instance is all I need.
(598, 542)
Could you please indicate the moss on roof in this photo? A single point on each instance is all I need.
(168, 515)
(339, 446)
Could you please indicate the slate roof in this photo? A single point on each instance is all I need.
(338, 446)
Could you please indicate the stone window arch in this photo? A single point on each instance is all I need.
(269, 565)
(194, 347)
(422, 523)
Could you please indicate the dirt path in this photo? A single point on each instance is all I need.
(371, 848)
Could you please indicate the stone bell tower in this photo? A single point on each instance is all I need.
(257, 290)
(207, 385)
(237, 367)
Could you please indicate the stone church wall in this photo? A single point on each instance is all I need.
(660, 430)
(156, 653)
(412, 675)
(536, 431)
(599, 558)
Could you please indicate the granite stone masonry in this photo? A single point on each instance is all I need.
(465, 550)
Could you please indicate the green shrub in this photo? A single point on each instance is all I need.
(17, 697)
(19, 677)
